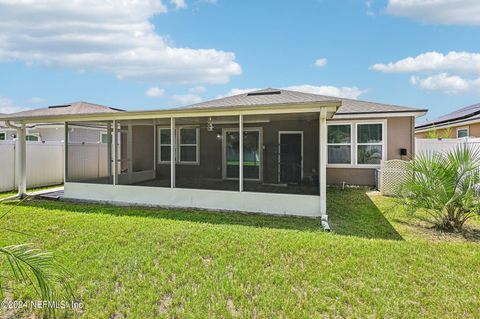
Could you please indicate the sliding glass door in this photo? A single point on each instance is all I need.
(251, 154)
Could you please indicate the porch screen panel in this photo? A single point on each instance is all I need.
(207, 153)
(280, 153)
(138, 149)
(89, 152)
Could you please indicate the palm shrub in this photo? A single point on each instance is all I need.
(35, 267)
(444, 185)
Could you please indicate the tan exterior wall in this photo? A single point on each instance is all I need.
(473, 129)
(351, 176)
(400, 134)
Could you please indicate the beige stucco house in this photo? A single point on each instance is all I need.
(267, 151)
(461, 123)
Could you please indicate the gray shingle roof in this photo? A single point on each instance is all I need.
(66, 109)
(468, 112)
(265, 97)
(279, 96)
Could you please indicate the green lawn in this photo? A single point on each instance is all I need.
(145, 263)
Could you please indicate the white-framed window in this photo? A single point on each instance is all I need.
(462, 132)
(3, 136)
(104, 137)
(369, 143)
(188, 138)
(339, 144)
(358, 143)
(164, 145)
(33, 137)
(187, 145)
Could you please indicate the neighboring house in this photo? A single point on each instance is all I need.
(458, 124)
(55, 132)
(269, 151)
(36, 133)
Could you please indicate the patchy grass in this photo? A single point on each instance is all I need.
(144, 263)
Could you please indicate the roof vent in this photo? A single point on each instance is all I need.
(115, 109)
(264, 93)
(58, 106)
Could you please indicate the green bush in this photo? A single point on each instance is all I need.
(445, 186)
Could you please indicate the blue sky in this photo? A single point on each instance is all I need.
(158, 54)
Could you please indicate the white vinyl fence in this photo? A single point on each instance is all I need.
(429, 145)
(392, 173)
(87, 160)
(44, 164)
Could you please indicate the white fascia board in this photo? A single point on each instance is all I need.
(378, 115)
(331, 108)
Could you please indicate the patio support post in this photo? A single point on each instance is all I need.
(21, 158)
(109, 149)
(155, 151)
(172, 152)
(322, 172)
(115, 152)
(130, 151)
(65, 155)
(240, 154)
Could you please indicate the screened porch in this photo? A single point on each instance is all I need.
(261, 153)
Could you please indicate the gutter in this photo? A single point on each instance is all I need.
(10, 125)
(325, 225)
(20, 159)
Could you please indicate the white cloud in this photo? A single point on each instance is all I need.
(36, 100)
(369, 5)
(452, 73)
(197, 90)
(459, 12)
(450, 84)
(186, 99)
(155, 92)
(343, 92)
(179, 4)
(237, 91)
(348, 92)
(320, 62)
(8, 106)
(464, 62)
(110, 36)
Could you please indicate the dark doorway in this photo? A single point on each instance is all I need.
(290, 157)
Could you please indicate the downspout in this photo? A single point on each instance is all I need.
(21, 158)
(322, 146)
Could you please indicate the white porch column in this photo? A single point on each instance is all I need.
(21, 161)
(155, 151)
(172, 152)
(323, 167)
(114, 158)
(109, 150)
(240, 154)
(130, 151)
(65, 154)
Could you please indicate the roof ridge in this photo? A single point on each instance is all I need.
(349, 99)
